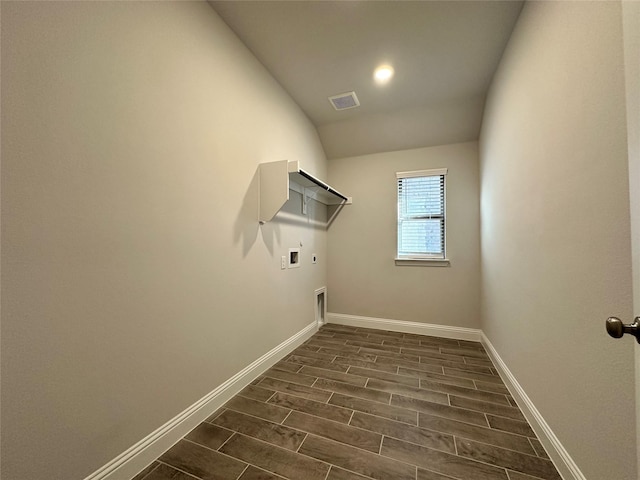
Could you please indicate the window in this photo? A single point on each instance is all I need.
(421, 215)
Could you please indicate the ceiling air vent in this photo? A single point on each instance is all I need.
(344, 101)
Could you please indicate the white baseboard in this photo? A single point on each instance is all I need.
(556, 451)
(136, 458)
(444, 331)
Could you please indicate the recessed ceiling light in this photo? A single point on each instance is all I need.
(383, 74)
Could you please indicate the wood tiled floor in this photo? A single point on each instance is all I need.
(357, 404)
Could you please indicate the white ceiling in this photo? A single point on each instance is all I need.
(444, 54)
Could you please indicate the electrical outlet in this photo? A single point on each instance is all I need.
(283, 262)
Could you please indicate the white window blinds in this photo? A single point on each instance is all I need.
(421, 214)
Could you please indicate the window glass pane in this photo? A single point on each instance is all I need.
(421, 237)
(421, 196)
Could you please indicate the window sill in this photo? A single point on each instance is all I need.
(423, 262)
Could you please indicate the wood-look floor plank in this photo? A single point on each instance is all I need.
(374, 345)
(310, 348)
(465, 373)
(519, 427)
(165, 472)
(478, 361)
(287, 366)
(356, 337)
(350, 361)
(337, 350)
(401, 342)
(331, 344)
(419, 350)
(466, 352)
(384, 336)
(323, 410)
(380, 332)
(437, 377)
(208, 435)
(320, 338)
(202, 462)
(380, 409)
(356, 460)
(146, 471)
(274, 459)
(428, 339)
(360, 392)
(464, 392)
(428, 475)
(298, 378)
(519, 462)
(408, 391)
(305, 352)
(475, 432)
(353, 379)
(389, 377)
(264, 430)
(295, 389)
(521, 476)
(440, 462)
(539, 449)
(401, 431)
(257, 409)
(350, 435)
(491, 387)
(317, 363)
(487, 407)
(444, 357)
(432, 359)
(391, 354)
(256, 393)
(254, 473)
(461, 414)
(337, 473)
(398, 362)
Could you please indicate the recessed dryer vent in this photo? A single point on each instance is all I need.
(344, 101)
(294, 258)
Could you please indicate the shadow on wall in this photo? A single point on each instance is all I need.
(291, 213)
(247, 226)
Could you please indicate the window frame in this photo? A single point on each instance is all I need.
(426, 258)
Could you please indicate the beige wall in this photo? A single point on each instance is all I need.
(135, 278)
(363, 278)
(555, 227)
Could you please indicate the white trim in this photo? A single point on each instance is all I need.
(444, 331)
(136, 458)
(422, 173)
(423, 262)
(558, 454)
(401, 217)
(321, 314)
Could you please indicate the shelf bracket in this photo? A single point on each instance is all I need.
(305, 201)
